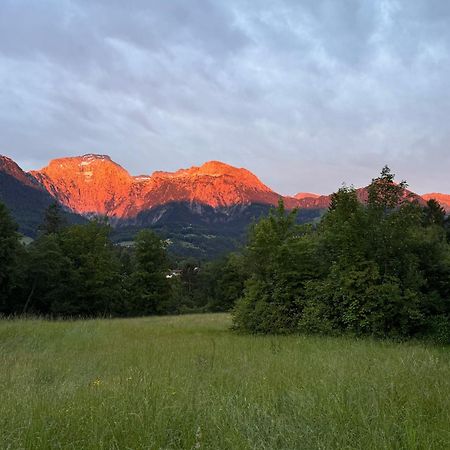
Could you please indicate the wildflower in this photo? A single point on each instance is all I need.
(97, 382)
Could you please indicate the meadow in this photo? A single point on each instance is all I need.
(188, 382)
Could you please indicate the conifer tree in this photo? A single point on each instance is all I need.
(54, 220)
(150, 287)
(9, 248)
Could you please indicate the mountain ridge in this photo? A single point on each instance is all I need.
(26, 197)
(203, 211)
(442, 199)
(94, 184)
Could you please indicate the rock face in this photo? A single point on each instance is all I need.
(443, 199)
(214, 184)
(9, 168)
(89, 184)
(94, 184)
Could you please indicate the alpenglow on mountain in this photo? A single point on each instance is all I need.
(212, 200)
(201, 211)
(94, 184)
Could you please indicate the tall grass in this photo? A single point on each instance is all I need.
(188, 382)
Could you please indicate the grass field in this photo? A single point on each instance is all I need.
(189, 383)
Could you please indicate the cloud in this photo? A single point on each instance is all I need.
(305, 94)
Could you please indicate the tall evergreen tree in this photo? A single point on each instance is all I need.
(54, 220)
(434, 213)
(150, 288)
(9, 248)
(45, 283)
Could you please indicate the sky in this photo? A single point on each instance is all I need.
(306, 94)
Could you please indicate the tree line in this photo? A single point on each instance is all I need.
(380, 269)
(76, 271)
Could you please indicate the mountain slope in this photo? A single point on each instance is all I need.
(94, 184)
(25, 197)
(302, 195)
(203, 209)
(89, 184)
(214, 184)
(311, 201)
(443, 199)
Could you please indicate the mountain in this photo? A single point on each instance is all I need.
(202, 210)
(314, 201)
(363, 196)
(25, 197)
(443, 199)
(302, 195)
(10, 168)
(214, 184)
(89, 184)
(94, 184)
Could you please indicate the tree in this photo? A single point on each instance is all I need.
(227, 282)
(45, 267)
(9, 249)
(384, 193)
(279, 258)
(386, 270)
(381, 269)
(91, 284)
(434, 213)
(149, 286)
(54, 221)
(341, 235)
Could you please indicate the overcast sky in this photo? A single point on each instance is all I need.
(306, 94)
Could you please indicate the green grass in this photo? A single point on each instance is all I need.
(188, 382)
